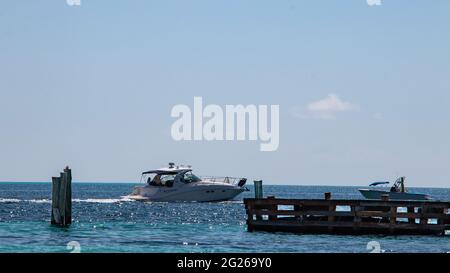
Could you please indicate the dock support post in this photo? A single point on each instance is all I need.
(331, 211)
(392, 219)
(61, 214)
(411, 210)
(356, 209)
(272, 208)
(258, 189)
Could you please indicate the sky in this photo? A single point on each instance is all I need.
(363, 90)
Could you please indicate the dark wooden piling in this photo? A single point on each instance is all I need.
(61, 214)
(258, 189)
(353, 216)
(258, 194)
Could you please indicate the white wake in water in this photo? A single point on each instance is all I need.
(9, 200)
(49, 201)
(39, 201)
(103, 201)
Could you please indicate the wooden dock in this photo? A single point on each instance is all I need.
(353, 217)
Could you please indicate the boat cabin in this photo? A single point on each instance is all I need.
(166, 177)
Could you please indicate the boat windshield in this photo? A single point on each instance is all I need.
(189, 177)
(162, 180)
(167, 179)
(399, 185)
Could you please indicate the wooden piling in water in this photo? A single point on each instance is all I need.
(258, 189)
(61, 214)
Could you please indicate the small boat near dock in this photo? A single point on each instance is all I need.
(396, 192)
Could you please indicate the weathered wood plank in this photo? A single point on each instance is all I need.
(69, 197)
(349, 213)
(62, 198)
(301, 213)
(55, 216)
(405, 226)
(365, 202)
(319, 202)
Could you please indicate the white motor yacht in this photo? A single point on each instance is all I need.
(178, 183)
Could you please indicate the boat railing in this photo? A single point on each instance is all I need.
(220, 179)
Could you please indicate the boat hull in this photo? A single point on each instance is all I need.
(377, 195)
(212, 193)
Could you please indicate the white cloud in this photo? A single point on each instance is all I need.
(374, 2)
(332, 103)
(326, 108)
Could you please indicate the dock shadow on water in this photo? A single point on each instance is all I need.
(105, 222)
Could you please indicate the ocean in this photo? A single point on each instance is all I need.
(103, 221)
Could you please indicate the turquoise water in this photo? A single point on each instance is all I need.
(105, 222)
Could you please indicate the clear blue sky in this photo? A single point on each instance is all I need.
(92, 87)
